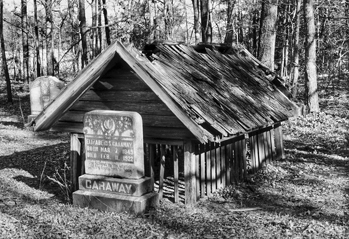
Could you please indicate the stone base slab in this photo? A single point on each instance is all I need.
(115, 203)
(131, 187)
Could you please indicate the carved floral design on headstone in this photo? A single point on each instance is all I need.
(108, 126)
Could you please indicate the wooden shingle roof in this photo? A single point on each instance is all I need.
(214, 93)
(231, 92)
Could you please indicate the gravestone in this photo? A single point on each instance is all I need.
(114, 164)
(43, 90)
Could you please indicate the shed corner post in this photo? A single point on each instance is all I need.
(76, 164)
(190, 173)
(279, 144)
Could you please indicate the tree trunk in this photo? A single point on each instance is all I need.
(295, 75)
(168, 19)
(229, 31)
(94, 38)
(50, 38)
(25, 46)
(151, 36)
(3, 54)
(312, 99)
(99, 28)
(196, 20)
(268, 33)
(206, 25)
(37, 41)
(82, 27)
(106, 22)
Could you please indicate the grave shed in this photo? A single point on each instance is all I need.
(218, 106)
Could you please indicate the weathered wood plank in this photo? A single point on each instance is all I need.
(219, 167)
(254, 152)
(149, 108)
(148, 161)
(223, 166)
(149, 133)
(229, 163)
(75, 161)
(152, 154)
(213, 168)
(148, 119)
(243, 157)
(269, 145)
(279, 143)
(272, 138)
(162, 170)
(139, 97)
(197, 170)
(208, 170)
(175, 172)
(261, 148)
(189, 173)
(123, 84)
(202, 170)
(236, 157)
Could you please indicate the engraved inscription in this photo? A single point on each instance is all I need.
(100, 185)
(109, 138)
(114, 143)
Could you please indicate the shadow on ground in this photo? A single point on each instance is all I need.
(41, 163)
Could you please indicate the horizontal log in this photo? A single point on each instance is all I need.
(124, 83)
(145, 108)
(120, 96)
(148, 120)
(148, 132)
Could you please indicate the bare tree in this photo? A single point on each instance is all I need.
(82, 26)
(312, 100)
(25, 47)
(206, 24)
(268, 33)
(37, 40)
(3, 55)
(50, 38)
(196, 10)
(106, 22)
(295, 66)
(230, 31)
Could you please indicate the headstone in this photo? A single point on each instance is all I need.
(114, 164)
(43, 90)
(114, 144)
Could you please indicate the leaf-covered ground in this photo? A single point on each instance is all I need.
(306, 195)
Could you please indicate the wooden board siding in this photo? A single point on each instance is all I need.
(120, 89)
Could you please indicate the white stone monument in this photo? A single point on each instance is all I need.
(43, 90)
(114, 164)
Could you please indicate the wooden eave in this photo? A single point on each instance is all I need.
(72, 92)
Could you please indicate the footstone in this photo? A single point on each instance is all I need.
(131, 187)
(115, 203)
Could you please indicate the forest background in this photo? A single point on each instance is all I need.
(301, 40)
